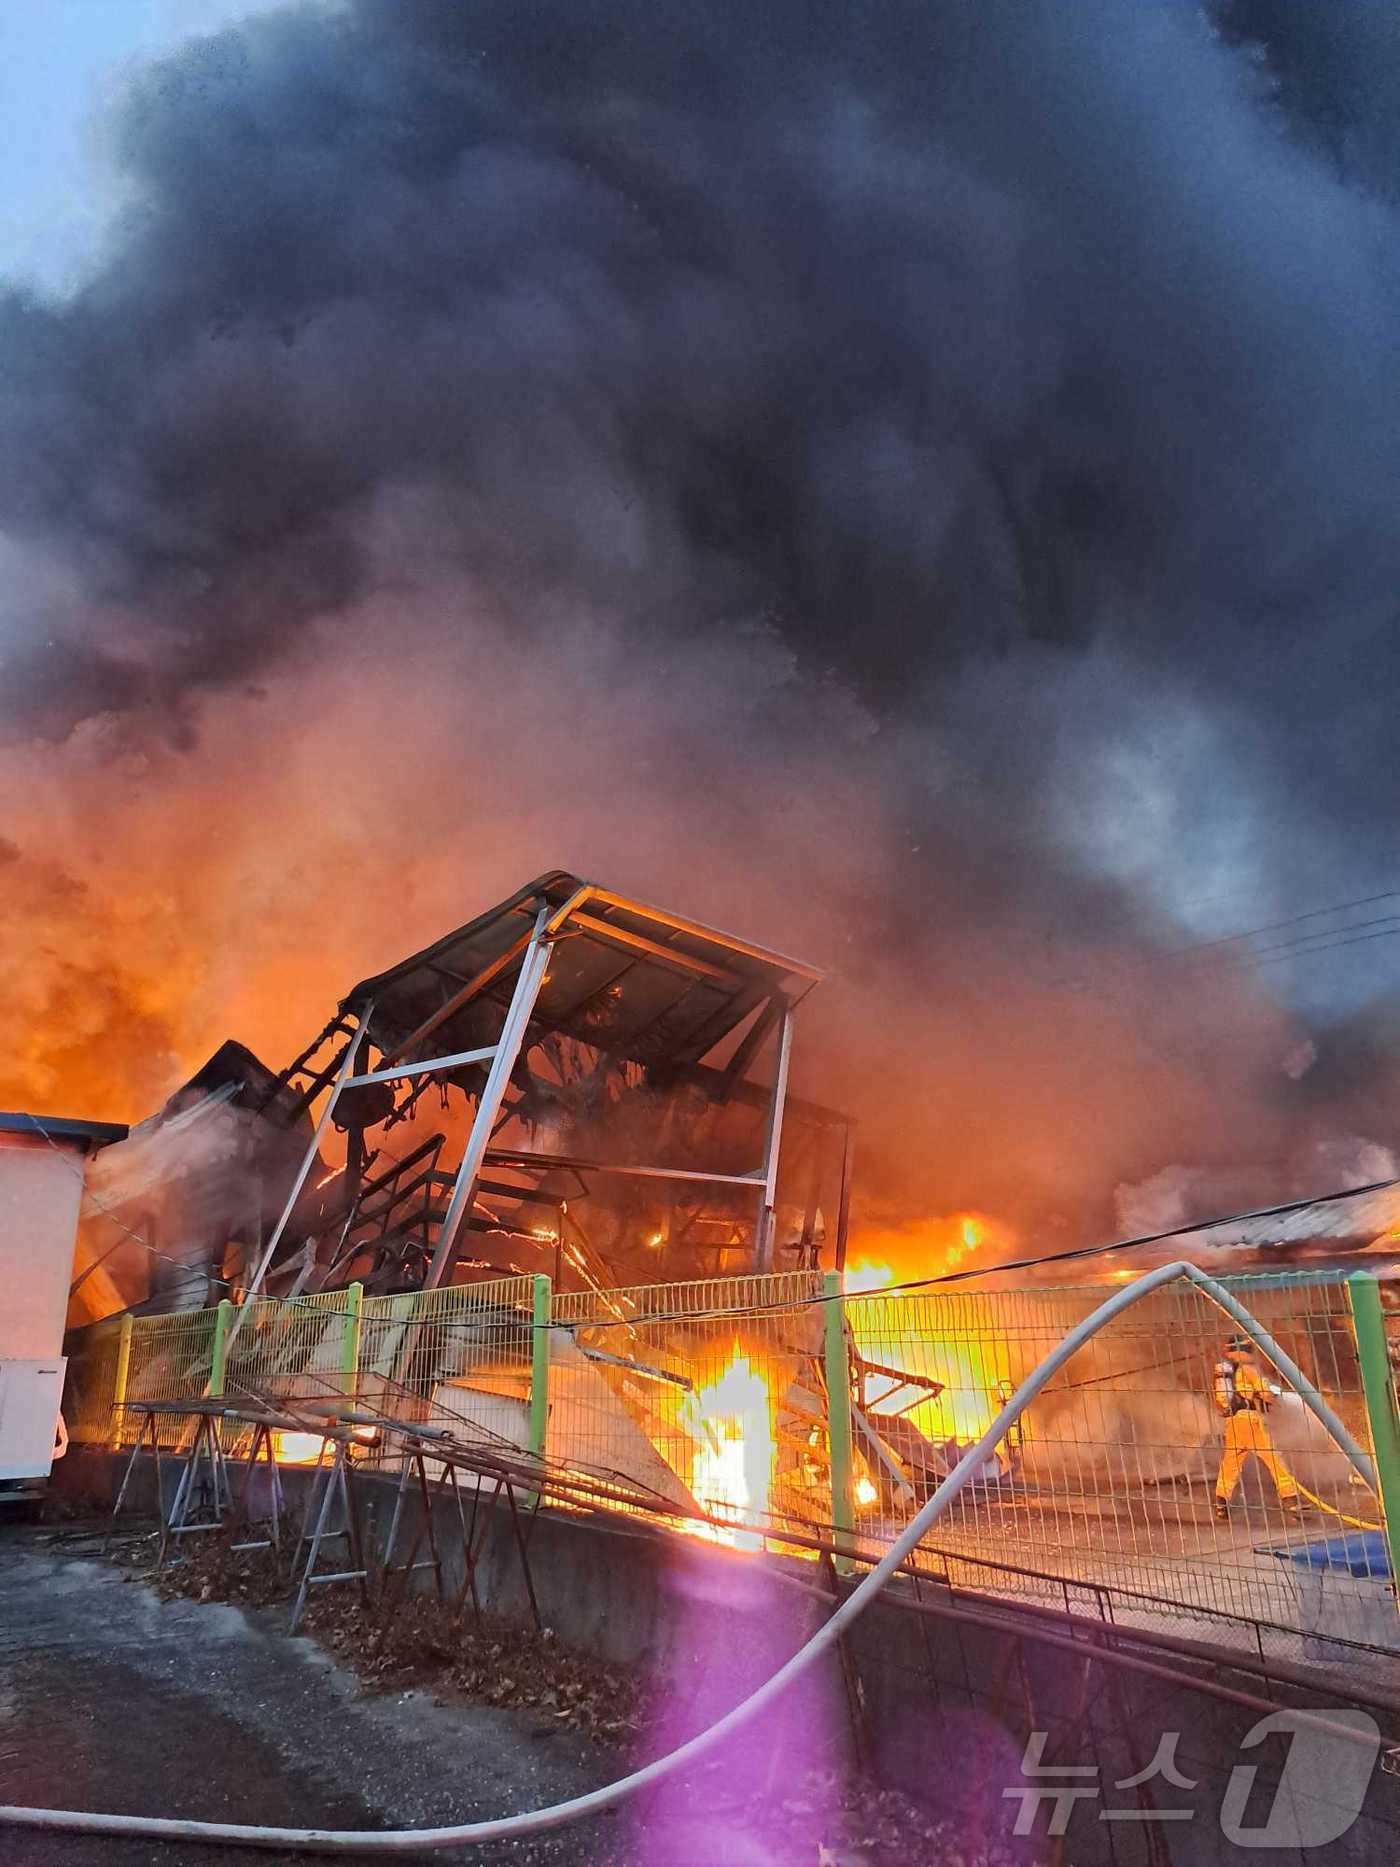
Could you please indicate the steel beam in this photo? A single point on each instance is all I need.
(488, 974)
(713, 935)
(763, 1235)
(522, 1005)
(511, 1157)
(395, 1071)
(610, 935)
(322, 1123)
(843, 1211)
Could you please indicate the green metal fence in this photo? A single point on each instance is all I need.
(780, 1404)
(460, 1356)
(1126, 1472)
(298, 1350)
(169, 1358)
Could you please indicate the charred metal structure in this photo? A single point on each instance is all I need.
(573, 1079)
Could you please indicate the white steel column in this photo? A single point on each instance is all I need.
(522, 1005)
(346, 1068)
(763, 1236)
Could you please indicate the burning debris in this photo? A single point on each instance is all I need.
(585, 1091)
(572, 1082)
(731, 1473)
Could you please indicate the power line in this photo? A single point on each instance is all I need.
(1013, 1264)
(1306, 952)
(1300, 946)
(1293, 920)
(1071, 1255)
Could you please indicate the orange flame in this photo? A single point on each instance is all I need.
(297, 1448)
(732, 1468)
(895, 1331)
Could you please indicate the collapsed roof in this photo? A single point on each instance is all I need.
(566, 1011)
(625, 1032)
(637, 982)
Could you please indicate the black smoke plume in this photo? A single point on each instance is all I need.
(915, 480)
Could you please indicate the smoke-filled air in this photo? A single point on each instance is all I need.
(912, 483)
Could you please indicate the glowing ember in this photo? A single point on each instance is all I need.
(732, 1469)
(866, 1494)
(297, 1448)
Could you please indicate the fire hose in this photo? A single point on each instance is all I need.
(598, 1801)
(1354, 1523)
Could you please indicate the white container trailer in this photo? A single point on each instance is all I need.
(43, 1161)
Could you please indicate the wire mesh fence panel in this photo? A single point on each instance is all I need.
(91, 1381)
(288, 1350)
(702, 1397)
(1390, 1309)
(1168, 1467)
(1162, 1464)
(171, 1359)
(458, 1357)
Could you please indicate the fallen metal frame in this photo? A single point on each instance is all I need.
(758, 991)
(183, 1518)
(263, 1446)
(333, 1481)
(149, 1422)
(413, 1467)
(419, 1443)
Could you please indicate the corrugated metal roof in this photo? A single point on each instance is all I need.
(1350, 1221)
(635, 981)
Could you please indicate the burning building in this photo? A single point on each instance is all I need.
(573, 1082)
(583, 1089)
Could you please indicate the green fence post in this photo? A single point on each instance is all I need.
(1378, 1385)
(119, 1384)
(350, 1345)
(539, 1369)
(838, 1411)
(218, 1356)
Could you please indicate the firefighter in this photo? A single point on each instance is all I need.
(1245, 1397)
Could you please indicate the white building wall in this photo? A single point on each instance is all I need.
(41, 1188)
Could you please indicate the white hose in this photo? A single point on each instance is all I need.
(596, 1801)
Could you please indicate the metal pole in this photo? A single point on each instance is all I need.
(539, 1368)
(843, 1212)
(350, 1343)
(218, 1359)
(347, 1067)
(763, 1242)
(522, 1004)
(1378, 1385)
(119, 1384)
(838, 1415)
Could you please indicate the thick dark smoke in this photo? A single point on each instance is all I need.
(980, 417)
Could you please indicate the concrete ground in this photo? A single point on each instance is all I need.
(111, 1699)
(114, 1699)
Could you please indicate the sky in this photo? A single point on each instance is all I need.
(60, 61)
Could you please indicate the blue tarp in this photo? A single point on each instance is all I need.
(1359, 1552)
